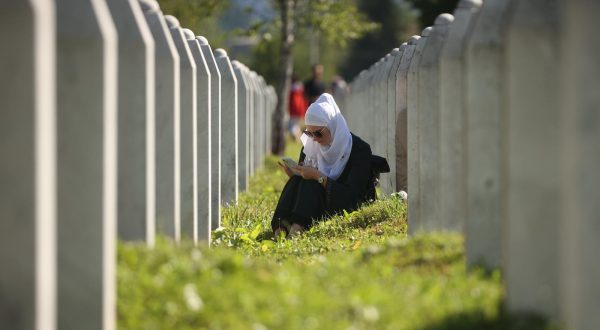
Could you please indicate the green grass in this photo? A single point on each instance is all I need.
(354, 271)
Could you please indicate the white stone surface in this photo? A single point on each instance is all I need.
(530, 263)
(367, 118)
(252, 121)
(203, 139)
(453, 190)
(413, 107)
(215, 131)
(185, 141)
(229, 131)
(28, 166)
(378, 95)
(86, 164)
(260, 116)
(243, 92)
(389, 179)
(401, 92)
(429, 124)
(382, 124)
(270, 111)
(136, 209)
(485, 109)
(166, 87)
(580, 127)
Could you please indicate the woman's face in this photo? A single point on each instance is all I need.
(319, 134)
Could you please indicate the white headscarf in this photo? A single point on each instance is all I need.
(331, 159)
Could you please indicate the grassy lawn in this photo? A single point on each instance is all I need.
(354, 271)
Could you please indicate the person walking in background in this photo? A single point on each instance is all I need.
(314, 86)
(339, 90)
(297, 107)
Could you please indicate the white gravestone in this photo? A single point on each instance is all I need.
(215, 132)
(271, 111)
(229, 133)
(252, 122)
(370, 108)
(378, 93)
(453, 191)
(243, 91)
(185, 141)
(401, 138)
(166, 93)
(412, 119)
(485, 105)
(357, 123)
(530, 263)
(382, 126)
(136, 210)
(86, 164)
(28, 166)
(390, 178)
(203, 139)
(350, 113)
(429, 124)
(260, 121)
(580, 128)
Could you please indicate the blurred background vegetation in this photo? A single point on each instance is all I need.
(249, 31)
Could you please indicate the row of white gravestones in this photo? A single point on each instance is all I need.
(105, 129)
(503, 132)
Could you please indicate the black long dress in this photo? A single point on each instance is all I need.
(306, 201)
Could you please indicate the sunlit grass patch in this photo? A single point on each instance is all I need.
(356, 270)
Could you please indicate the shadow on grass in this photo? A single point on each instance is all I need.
(477, 321)
(265, 235)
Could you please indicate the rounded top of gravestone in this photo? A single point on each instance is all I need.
(444, 19)
(202, 40)
(189, 35)
(172, 21)
(149, 5)
(426, 31)
(468, 4)
(402, 47)
(413, 40)
(395, 51)
(220, 52)
(238, 65)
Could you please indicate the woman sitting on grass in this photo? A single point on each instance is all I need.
(334, 172)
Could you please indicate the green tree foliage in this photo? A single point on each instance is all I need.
(397, 23)
(200, 16)
(337, 20)
(430, 9)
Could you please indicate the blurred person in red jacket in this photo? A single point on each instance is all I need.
(297, 107)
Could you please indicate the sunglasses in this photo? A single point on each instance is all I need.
(318, 134)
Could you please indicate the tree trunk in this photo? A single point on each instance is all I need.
(287, 11)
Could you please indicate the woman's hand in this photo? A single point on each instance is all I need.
(286, 169)
(308, 172)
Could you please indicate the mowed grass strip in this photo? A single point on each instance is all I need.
(355, 271)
